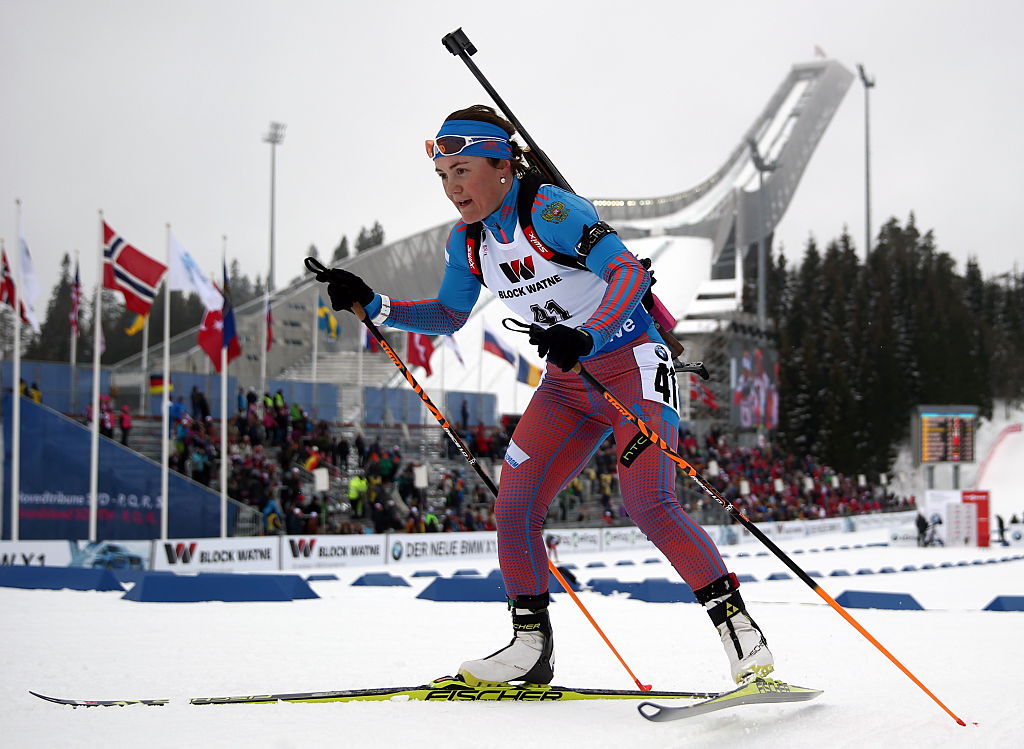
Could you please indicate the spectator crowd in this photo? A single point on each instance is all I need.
(274, 446)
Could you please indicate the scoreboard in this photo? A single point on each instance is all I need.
(945, 434)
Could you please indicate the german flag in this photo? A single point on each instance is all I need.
(156, 385)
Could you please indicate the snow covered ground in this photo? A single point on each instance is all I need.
(95, 645)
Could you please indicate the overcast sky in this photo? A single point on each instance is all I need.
(155, 112)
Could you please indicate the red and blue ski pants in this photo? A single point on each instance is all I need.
(564, 424)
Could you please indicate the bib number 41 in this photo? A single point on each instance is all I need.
(657, 374)
(550, 314)
(665, 385)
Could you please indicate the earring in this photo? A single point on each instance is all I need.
(503, 180)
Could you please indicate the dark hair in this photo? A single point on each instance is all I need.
(484, 113)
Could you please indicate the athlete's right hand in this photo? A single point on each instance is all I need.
(345, 288)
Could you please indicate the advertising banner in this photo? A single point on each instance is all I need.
(420, 547)
(35, 553)
(883, 520)
(570, 540)
(754, 384)
(961, 524)
(616, 539)
(934, 509)
(980, 500)
(113, 555)
(260, 553)
(309, 552)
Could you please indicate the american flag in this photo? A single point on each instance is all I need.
(130, 271)
(76, 302)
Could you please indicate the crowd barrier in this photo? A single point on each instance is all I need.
(305, 552)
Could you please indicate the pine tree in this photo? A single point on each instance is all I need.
(54, 341)
(369, 238)
(341, 251)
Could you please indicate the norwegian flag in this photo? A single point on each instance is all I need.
(8, 291)
(130, 271)
(698, 390)
(76, 303)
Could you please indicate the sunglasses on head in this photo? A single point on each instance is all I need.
(450, 145)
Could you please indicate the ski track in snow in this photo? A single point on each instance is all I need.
(95, 645)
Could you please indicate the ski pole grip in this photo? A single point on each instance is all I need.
(458, 43)
(315, 266)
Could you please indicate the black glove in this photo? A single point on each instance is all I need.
(345, 288)
(561, 345)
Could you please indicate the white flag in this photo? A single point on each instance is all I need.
(184, 274)
(28, 289)
(450, 342)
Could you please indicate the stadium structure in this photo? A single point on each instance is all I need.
(698, 240)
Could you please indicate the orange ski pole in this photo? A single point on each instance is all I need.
(738, 515)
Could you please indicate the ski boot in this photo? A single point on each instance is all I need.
(744, 642)
(529, 657)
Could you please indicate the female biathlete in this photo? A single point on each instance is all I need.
(548, 259)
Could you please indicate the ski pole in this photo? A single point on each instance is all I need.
(738, 515)
(316, 266)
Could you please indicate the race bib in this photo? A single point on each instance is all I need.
(657, 374)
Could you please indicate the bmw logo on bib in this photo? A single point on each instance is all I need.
(661, 352)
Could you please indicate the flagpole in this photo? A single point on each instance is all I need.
(444, 359)
(165, 400)
(316, 342)
(145, 366)
(16, 303)
(479, 384)
(97, 336)
(74, 342)
(224, 402)
(266, 334)
(515, 386)
(73, 359)
(359, 378)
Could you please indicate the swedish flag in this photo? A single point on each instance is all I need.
(528, 374)
(326, 319)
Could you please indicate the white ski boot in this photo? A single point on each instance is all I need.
(744, 642)
(529, 657)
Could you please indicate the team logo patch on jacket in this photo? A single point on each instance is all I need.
(518, 270)
(555, 213)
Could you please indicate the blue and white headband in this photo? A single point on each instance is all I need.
(470, 138)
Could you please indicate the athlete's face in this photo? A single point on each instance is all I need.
(473, 185)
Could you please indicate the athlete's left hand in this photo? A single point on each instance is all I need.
(561, 345)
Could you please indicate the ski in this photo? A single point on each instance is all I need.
(757, 692)
(445, 689)
(97, 703)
